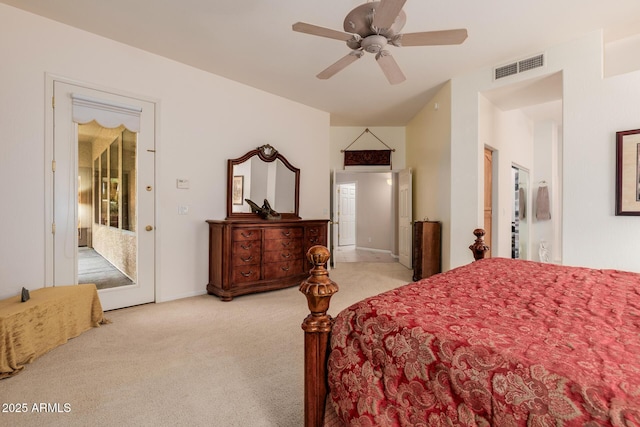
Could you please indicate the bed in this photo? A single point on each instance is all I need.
(498, 342)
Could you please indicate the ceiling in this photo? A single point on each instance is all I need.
(251, 41)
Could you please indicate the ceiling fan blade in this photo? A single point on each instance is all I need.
(390, 67)
(387, 12)
(341, 64)
(315, 30)
(431, 38)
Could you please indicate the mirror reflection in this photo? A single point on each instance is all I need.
(257, 180)
(262, 174)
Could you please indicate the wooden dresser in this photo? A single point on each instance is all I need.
(426, 249)
(247, 256)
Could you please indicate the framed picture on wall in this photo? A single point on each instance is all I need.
(628, 172)
(238, 189)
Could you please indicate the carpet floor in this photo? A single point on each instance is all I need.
(191, 362)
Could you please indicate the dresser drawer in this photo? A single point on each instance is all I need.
(315, 240)
(315, 236)
(283, 233)
(244, 234)
(246, 247)
(283, 244)
(249, 256)
(275, 270)
(247, 273)
(279, 256)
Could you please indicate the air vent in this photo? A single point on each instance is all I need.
(506, 70)
(518, 67)
(531, 63)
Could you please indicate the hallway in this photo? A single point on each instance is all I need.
(93, 268)
(352, 254)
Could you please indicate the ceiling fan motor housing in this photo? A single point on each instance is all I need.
(374, 43)
(358, 21)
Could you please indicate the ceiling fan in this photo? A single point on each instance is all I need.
(372, 26)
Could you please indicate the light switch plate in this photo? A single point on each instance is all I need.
(182, 183)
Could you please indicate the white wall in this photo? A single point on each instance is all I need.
(203, 120)
(547, 168)
(593, 110)
(429, 157)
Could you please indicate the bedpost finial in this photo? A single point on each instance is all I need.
(479, 247)
(318, 288)
(318, 256)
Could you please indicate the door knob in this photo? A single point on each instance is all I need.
(148, 228)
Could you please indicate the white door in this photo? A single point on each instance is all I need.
(333, 223)
(130, 221)
(347, 214)
(405, 218)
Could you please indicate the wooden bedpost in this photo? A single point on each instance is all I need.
(479, 247)
(318, 289)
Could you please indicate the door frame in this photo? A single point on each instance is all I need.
(333, 233)
(50, 79)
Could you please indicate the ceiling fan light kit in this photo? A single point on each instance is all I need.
(372, 26)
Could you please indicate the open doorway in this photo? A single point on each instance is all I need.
(522, 122)
(364, 217)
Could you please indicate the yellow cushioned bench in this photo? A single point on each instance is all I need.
(48, 319)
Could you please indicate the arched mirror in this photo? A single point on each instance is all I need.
(262, 174)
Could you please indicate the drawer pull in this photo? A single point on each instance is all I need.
(285, 244)
(286, 255)
(313, 240)
(247, 274)
(247, 259)
(313, 231)
(247, 246)
(286, 233)
(285, 268)
(246, 235)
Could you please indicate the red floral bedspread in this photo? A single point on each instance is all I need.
(497, 342)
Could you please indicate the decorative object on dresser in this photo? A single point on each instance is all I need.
(261, 249)
(265, 212)
(426, 249)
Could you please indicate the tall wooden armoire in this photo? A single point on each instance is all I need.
(426, 249)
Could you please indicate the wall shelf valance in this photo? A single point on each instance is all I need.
(367, 157)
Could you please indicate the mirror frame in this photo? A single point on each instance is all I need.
(268, 154)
